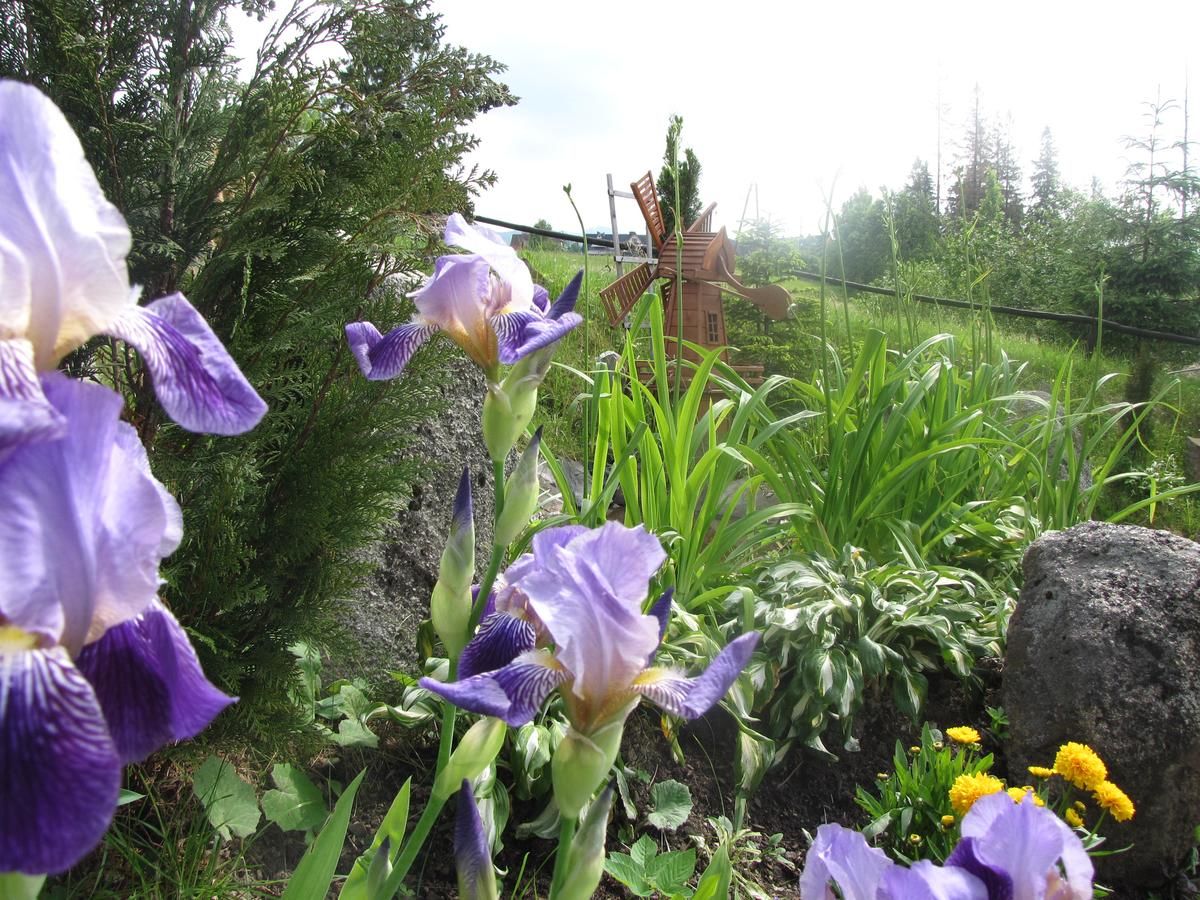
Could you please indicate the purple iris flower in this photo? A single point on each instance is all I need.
(94, 671)
(569, 616)
(1009, 851)
(484, 300)
(63, 280)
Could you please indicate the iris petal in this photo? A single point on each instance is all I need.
(513, 693)
(690, 698)
(502, 258)
(195, 379)
(501, 639)
(149, 684)
(925, 881)
(26, 416)
(843, 856)
(565, 303)
(520, 333)
(59, 771)
(63, 276)
(384, 356)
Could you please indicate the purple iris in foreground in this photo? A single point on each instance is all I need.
(63, 280)
(1008, 851)
(484, 300)
(94, 671)
(569, 616)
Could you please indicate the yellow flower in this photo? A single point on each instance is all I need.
(881, 776)
(1115, 800)
(1079, 764)
(1020, 793)
(1040, 772)
(937, 745)
(1080, 805)
(969, 788)
(948, 821)
(914, 750)
(914, 839)
(963, 735)
(1073, 818)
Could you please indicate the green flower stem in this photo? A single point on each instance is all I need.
(566, 834)
(449, 711)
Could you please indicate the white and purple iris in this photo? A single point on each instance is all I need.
(94, 671)
(1008, 851)
(569, 615)
(484, 300)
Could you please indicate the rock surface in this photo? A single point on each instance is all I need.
(384, 616)
(1104, 649)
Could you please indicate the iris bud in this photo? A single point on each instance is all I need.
(450, 603)
(473, 754)
(381, 868)
(585, 864)
(520, 495)
(581, 762)
(508, 406)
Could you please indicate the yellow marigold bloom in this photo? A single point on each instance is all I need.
(1080, 765)
(1073, 818)
(1040, 772)
(1080, 805)
(947, 821)
(963, 735)
(937, 745)
(881, 776)
(914, 839)
(914, 750)
(1020, 793)
(1115, 800)
(969, 788)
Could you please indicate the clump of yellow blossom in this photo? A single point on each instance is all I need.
(1020, 793)
(1072, 818)
(948, 821)
(1040, 772)
(1080, 765)
(914, 750)
(1115, 800)
(969, 788)
(961, 734)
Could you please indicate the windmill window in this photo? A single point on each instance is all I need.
(714, 332)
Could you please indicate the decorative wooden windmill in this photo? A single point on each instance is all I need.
(708, 259)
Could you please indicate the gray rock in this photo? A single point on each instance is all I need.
(1104, 649)
(385, 614)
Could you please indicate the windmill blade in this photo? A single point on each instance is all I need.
(771, 299)
(620, 296)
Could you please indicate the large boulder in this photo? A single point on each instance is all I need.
(1104, 649)
(384, 615)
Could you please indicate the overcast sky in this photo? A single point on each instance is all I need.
(803, 100)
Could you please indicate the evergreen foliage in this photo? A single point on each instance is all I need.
(283, 208)
(689, 186)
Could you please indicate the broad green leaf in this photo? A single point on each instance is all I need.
(672, 804)
(229, 802)
(297, 804)
(643, 850)
(714, 883)
(629, 872)
(312, 877)
(353, 733)
(670, 872)
(15, 886)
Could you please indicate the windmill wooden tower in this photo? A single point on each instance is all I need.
(706, 271)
